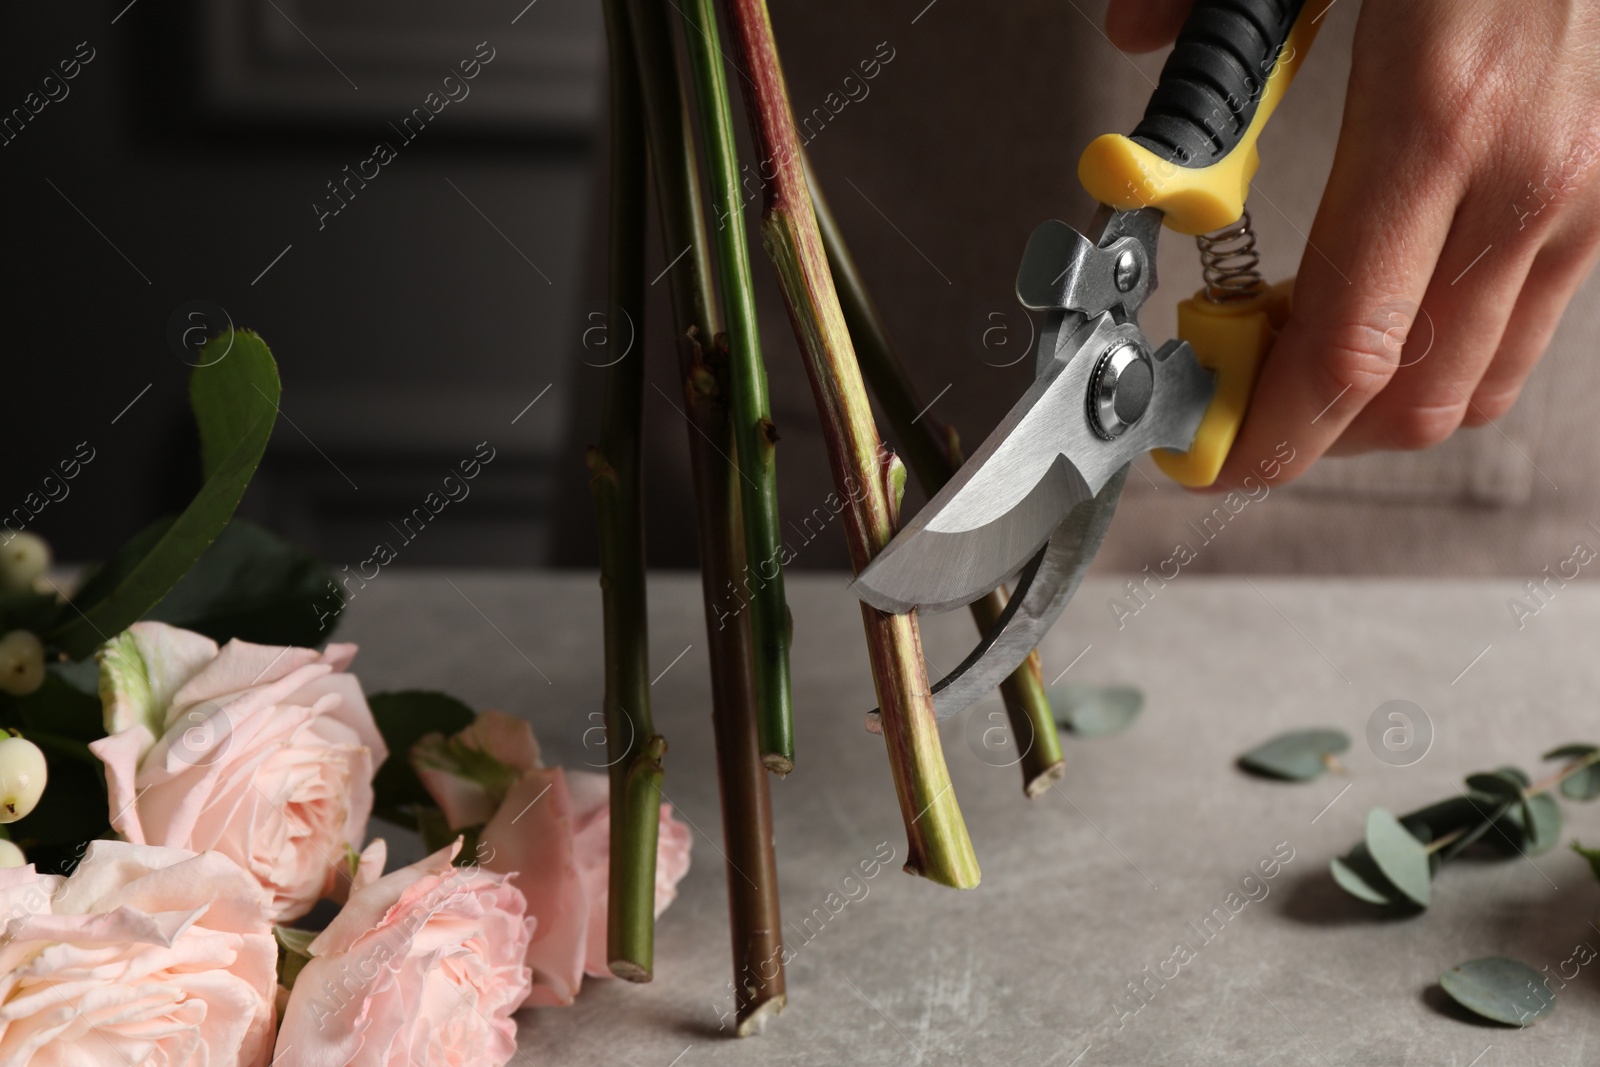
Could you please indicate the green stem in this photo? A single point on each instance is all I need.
(632, 745)
(868, 477)
(755, 926)
(753, 430)
(934, 451)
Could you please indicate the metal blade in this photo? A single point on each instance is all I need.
(1041, 461)
(1041, 593)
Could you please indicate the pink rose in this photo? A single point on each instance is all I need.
(551, 830)
(144, 955)
(422, 968)
(263, 754)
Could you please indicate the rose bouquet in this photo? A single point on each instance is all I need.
(239, 784)
(189, 872)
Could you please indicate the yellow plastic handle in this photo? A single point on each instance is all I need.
(1229, 339)
(1124, 174)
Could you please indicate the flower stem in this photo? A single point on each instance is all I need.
(753, 430)
(933, 450)
(755, 927)
(867, 476)
(633, 747)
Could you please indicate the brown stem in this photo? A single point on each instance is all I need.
(753, 917)
(755, 924)
(934, 452)
(867, 476)
(1544, 785)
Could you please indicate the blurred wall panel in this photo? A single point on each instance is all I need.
(409, 241)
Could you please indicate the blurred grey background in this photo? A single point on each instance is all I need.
(195, 162)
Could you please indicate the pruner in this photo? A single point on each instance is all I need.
(1033, 502)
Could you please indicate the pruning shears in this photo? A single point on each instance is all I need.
(1034, 501)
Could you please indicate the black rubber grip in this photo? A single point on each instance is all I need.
(1212, 82)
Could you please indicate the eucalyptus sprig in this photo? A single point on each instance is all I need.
(1503, 810)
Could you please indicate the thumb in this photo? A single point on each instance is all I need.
(1145, 25)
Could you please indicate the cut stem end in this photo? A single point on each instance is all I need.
(629, 971)
(754, 1020)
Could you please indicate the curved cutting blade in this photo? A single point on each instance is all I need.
(1042, 592)
(1041, 461)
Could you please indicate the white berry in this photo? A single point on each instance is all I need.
(22, 776)
(11, 855)
(21, 663)
(23, 557)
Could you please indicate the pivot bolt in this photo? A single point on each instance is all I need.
(1126, 271)
(1120, 389)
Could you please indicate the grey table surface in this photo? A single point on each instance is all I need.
(1099, 878)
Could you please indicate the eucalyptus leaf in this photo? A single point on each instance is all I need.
(1357, 875)
(253, 585)
(234, 394)
(1424, 833)
(1506, 991)
(1590, 854)
(1501, 829)
(1497, 786)
(1516, 774)
(1297, 756)
(1095, 710)
(403, 718)
(1543, 816)
(1400, 856)
(1509, 833)
(1575, 750)
(1448, 815)
(1582, 784)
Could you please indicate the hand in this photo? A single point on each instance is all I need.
(1462, 213)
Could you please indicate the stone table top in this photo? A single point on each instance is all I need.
(1101, 877)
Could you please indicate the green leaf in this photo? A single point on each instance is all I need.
(1095, 710)
(1503, 990)
(1399, 855)
(1496, 786)
(254, 585)
(1499, 828)
(27, 610)
(1516, 774)
(67, 704)
(99, 581)
(1530, 825)
(235, 400)
(1543, 815)
(1357, 875)
(1439, 819)
(404, 718)
(1582, 784)
(1300, 755)
(1590, 854)
(294, 952)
